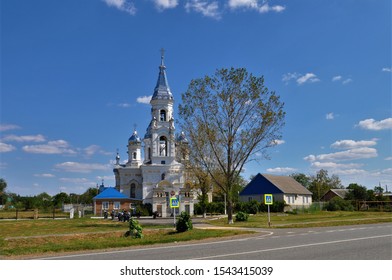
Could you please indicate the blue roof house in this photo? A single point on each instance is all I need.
(110, 199)
(283, 188)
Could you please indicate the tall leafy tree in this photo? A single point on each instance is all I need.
(322, 182)
(301, 178)
(357, 192)
(3, 186)
(237, 117)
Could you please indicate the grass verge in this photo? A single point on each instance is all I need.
(33, 238)
(316, 219)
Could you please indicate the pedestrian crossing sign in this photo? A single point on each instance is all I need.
(174, 202)
(268, 199)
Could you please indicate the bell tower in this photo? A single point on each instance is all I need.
(159, 139)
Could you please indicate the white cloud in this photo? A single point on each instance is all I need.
(265, 8)
(372, 124)
(25, 138)
(300, 78)
(336, 78)
(95, 149)
(386, 69)
(5, 148)
(388, 158)
(351, 171)
(387, 171)
(308, 78)
(290, 76)
(340, 78)
(262, 7)
(351, 144)
(52, 147)
(124, 105)
(352, 154)
(144, 99)
(123, 5)
(205, 8)
(78, 167)
(281, 170)
(44, 175)
(330, 116)
(75, 180)
(334, 165)
(5, 127)
(165, 4)
(278, 142)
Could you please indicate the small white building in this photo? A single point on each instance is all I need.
(283, 188)
(160, 174)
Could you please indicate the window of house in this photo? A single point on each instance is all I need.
(116, 205)
(105, 205)
(133, 190)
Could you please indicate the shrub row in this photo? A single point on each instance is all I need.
(252, 207)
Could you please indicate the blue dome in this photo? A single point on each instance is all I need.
(182, 138)
(134, 138)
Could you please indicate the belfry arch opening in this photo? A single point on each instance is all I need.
(162, 115)
(162, 146)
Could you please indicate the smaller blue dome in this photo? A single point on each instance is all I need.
(182, 138)
(134, 138)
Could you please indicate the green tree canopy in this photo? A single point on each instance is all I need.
(322, 182)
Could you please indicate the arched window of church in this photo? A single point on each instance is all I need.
(134, 155)
(133, 190)
(163, 176)
(162, 146)
(163, 116)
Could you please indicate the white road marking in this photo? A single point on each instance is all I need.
(292, 247)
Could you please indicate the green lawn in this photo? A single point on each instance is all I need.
(24, 238)
(36, 237)
(316, 219)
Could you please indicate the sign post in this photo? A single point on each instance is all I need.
(174, 203)
(268, 200)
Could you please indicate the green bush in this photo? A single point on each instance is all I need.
(216, 208)
(135, 229)
(338, 204)
(184, 222)
(241, 217)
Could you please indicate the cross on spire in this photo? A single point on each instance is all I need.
(162, 55)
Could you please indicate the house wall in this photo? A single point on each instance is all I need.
(124, 204)
(295, 200)
(292, 200)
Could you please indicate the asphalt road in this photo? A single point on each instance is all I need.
(361, 242)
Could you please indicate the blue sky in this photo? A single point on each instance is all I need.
(75, 77)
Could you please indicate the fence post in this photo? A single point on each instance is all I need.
(16, 217)
(53, 212)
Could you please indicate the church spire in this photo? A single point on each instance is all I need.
(162, 89)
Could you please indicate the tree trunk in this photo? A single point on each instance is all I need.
(230, 211)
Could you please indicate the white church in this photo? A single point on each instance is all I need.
(161, 174)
